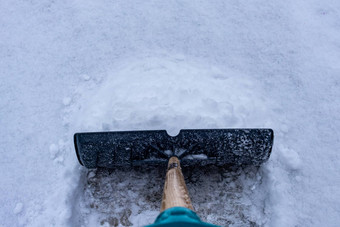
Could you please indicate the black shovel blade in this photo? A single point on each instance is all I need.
(220, 147)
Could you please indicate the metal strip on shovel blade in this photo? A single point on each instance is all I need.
(221, 147)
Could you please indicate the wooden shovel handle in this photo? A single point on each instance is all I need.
(175, 193)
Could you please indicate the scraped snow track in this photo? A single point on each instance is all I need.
(132, 198)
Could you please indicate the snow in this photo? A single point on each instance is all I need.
(67, 101)
(117, 65)
(168, 152)
(18, 208)
(197, 156)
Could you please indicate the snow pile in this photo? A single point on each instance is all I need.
(171, 92)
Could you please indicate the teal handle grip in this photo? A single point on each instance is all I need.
(179, 217)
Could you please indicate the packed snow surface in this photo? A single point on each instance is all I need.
(73, 66)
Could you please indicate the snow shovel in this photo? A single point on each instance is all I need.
(219, 147)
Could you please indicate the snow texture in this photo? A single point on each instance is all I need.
(72, 66)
